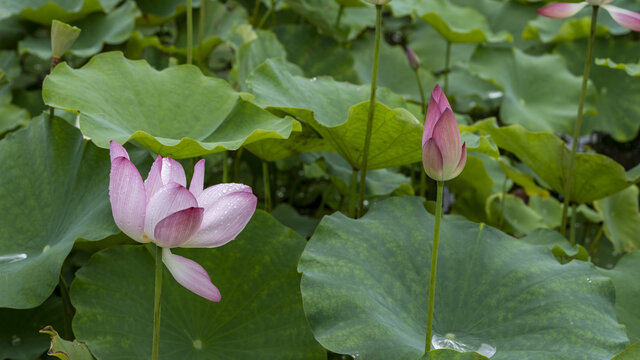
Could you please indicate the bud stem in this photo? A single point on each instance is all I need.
(576, 130)
(372, 106)
(157, 305)
(434, 264)
(339, 17)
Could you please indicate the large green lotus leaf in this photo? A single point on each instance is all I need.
(53, 190)
(457, 24)
(251, 54)
(260, 315)
(330, 108)
(517, 218)
(627, 283)
(631, 69)
(302, 139)
(621, 219)
(305, 47)
(97, 29)
(19, 331)
(323, 14)
(394, 71)
(618, 101)
(446, 354)
(177, 112)
(595, 176)
(364, 289)
(539, 91)
(44, 11)
(161, 8)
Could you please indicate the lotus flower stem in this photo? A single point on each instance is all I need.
(189, 32)
(572, 232)
(595, 242)
(372, 106)
(267, 188)
(447, 60)
(353, 190)
(225, 166)
(339, 17)
(157, 304)
(67, 308)
(256, 12)
(203, 11)
(434, 264)
(578, 124)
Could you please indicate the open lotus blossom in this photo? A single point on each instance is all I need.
(443, 155)
(626, 18)
(162, 210)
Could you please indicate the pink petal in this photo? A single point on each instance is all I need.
(197, 180)
(447, 137)
(626, 18)
(561, 10)
(225, 215)
(432, 160)
(128, 199)
(438, 103)
(153, 183)
(191, 275)
(463, 161)
(178, 227)
(116, 150)
(172, 171)
(170, 199)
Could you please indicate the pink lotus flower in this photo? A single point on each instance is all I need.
(442, 155)
(161, 210)
(626, 18)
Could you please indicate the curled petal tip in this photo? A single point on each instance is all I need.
(191, 275)
(116, 150)
(561, 10)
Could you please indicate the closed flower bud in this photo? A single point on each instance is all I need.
(414, 60)
(443, 155)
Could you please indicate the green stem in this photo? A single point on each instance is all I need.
(256, 12)
(274, 16)
(157, 304)
(572, 232)
(267, 189)
(447, 60)
(372, 105)
(201, 29)
(264, 18)
(434, 264)
(225, 166)
(339, 17)
(67, 308)
(189, 32)
(595, 242)
(504, 195)
(576, 129)
(353, 187)
(422, 96)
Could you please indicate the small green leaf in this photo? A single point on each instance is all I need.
(595, 176)
(64, 349)
(621, 219)
(630, 353)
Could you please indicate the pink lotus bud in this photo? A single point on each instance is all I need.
(162, 210)
(414, 60)
(561, 10)
(443, 156)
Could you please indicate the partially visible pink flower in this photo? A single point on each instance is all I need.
(626, 18)
(443, 155)
(162, 210)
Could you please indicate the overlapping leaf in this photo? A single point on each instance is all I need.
(364, 288)
(177, 112)
(260, 315)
